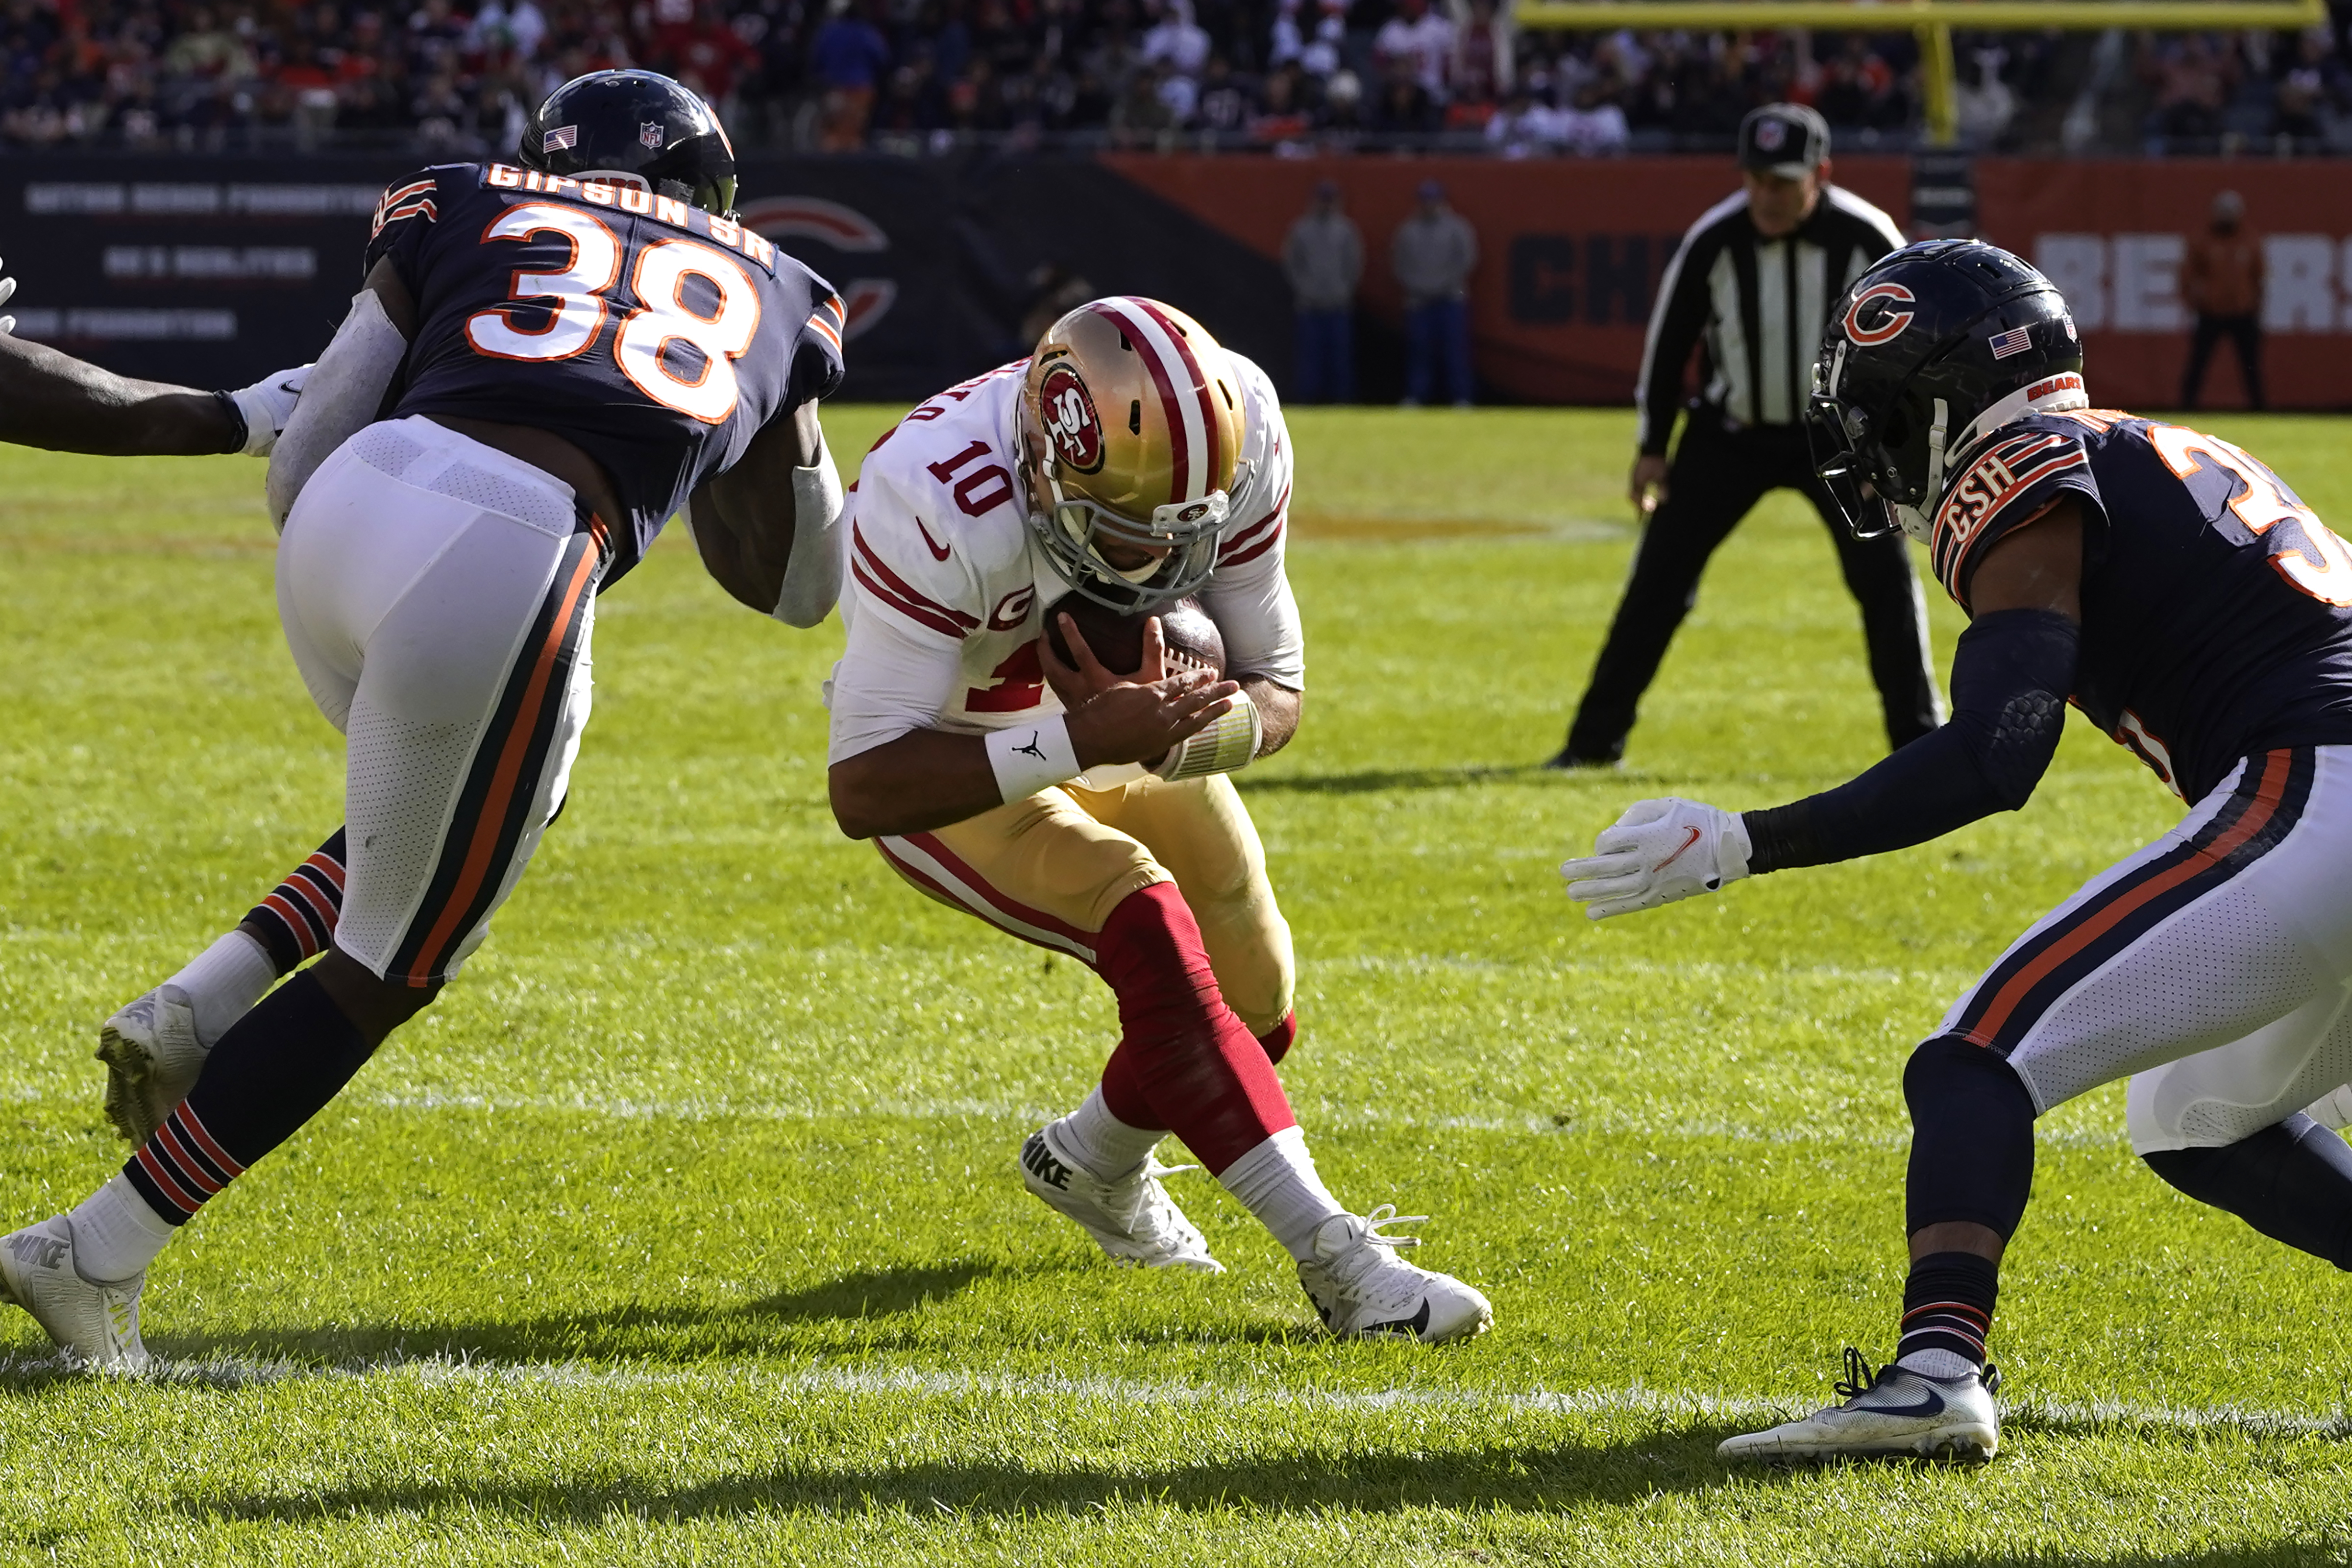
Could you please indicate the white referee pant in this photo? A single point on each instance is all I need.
(2212, 967)
(438, 596)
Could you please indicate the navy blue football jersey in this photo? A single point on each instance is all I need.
(655, 336)
(2215, 618)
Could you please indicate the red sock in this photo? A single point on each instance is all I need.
(1279, 1040)
(1184, 1061)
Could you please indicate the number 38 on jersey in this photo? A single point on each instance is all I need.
(698, 314)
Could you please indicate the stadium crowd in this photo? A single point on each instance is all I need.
(912, 75)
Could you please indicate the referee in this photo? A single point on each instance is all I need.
(1753, 278)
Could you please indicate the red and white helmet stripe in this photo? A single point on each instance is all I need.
(1184, 394)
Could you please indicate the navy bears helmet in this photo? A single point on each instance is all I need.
(639, 127)
(1933, 349)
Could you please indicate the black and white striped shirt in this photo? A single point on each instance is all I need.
(1760, 304)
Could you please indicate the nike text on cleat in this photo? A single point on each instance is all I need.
(1361, 1288)
(1132, 1218)
(1895, 1414)
(151, 1061)
(96, 1324)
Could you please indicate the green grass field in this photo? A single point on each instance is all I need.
(686, 1228)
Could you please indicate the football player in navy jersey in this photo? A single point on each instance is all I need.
(2175, 590)
(570, 348)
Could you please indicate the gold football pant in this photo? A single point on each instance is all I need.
(1050, 869)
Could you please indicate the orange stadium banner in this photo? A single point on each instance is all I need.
(217, 270)
(1572, 251)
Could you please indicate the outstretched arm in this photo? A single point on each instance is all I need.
(2010, 675)
(51, 400)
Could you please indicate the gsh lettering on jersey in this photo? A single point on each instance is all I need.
(657, 336)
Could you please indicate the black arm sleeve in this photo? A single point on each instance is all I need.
(1674, 328)
(2009, 679)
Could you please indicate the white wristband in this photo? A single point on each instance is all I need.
(1229, 743)
(1027, 758)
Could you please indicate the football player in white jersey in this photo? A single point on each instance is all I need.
(1133, 462)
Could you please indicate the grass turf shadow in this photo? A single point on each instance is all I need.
(691, 1334)
(1523, 1478)
(1376, 781)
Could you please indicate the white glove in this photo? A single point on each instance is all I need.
(7, 290)
(1658, 852)
(267, 405)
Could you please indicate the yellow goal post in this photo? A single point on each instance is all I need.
(1931, 21)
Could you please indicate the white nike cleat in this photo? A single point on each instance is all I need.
(1132, 1218)
(1362, 1289)
(151, 1061)
(1896, 1414)
(96, 1324)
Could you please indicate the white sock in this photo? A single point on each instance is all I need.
(1277, 1182)
(1938, 1363)
(115, 1234)
(1108, 1147)
(224, 982)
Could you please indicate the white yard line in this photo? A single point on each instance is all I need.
(1002, 1389)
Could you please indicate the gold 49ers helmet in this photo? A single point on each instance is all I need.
(1132, 438)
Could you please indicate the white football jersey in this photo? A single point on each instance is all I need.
(947, 595)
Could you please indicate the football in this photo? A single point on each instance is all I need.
(1192, 637)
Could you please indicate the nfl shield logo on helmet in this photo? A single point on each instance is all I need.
(562, 137)
(1769, 134)
(651, 134)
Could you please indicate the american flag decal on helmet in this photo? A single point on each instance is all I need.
(559, 138)
(2015, 341)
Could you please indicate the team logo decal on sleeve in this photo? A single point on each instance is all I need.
(1874, 318)
(1070, 422)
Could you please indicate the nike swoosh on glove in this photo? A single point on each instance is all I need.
(1658, 852)
(267, 405)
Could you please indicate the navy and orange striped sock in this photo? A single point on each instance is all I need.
(277, 1067)
(297, 921)
(1947, 1313)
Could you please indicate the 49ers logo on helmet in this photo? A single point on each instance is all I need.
(1890, 320)
(1068, 412)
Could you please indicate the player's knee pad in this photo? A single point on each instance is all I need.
(2292, 1180)
(1971, 1138)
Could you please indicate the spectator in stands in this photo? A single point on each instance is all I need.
(2192, 80)
(847, 59)
(1405, 108)
(1483, 69)
(1175, 41)
(1523, 126)
(1593, 126)
(1419, 43)
(1323, 256)
(2223, 285)
(1282, 116)
(1142, 114)
(2310, 89)
(1433, 254)
(1986, 105)
(1342, 114)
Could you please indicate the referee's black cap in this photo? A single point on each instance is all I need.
(1786, 139)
